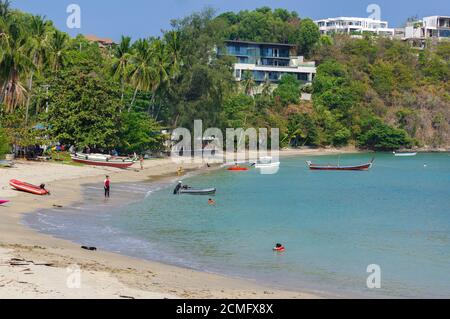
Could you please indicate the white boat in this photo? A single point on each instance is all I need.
(5, 163)
(404, 154)
(267, 165)
(266, 162)
(103, 160)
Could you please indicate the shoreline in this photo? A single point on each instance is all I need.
(129, 276)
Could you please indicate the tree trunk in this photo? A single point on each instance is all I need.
(30, 87)
(133, 100)
(152, 102)
(123, 88)
(157, 113)
(176, 120)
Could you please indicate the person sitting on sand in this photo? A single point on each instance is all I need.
(211, 202)
(107, 186)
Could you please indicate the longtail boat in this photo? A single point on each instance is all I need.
(103, 160)
(362, 167)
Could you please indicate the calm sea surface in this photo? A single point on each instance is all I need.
(333, 224)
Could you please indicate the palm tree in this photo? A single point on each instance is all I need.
(58, 46)
(266, 89)
(4, 8)
(249, 83)
(161, 70)
(122, 56)
(38, 51)
(15, 63)
(173, 47)
(141, 72)
(153, 65)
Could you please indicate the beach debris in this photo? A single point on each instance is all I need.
(23, 262)
(57, 206)
(19, 263)
(89, 248)
(127, 297)
(43, 264)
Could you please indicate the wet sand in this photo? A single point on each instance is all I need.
(34, 265)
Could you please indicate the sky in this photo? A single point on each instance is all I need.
(143, 18)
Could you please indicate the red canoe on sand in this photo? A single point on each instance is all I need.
(33, 189)
(3, 201)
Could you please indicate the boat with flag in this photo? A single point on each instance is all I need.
(338, 167)
(103, 160)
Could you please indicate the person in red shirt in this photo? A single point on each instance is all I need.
(107, 186)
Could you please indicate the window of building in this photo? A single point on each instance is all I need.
(243, 60)
(302, 77)
(444, 23)
(444, 33)
(259, 76)
(274, 76)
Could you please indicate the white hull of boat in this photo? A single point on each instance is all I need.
(269, 165)
(103, 160)
(404, 154)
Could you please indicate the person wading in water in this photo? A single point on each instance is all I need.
(107, 185)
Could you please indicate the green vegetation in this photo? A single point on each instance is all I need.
(371, 92)
(4, 143)
(267, 25)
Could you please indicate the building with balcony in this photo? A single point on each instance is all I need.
(268, 61)
(434, 27)
(354, 26)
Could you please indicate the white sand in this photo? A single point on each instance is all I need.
(103, 274)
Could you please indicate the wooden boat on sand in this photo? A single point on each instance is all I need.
(103, 160)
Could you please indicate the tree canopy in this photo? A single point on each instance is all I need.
(372, 92)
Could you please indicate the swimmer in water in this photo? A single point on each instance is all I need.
(279, 247)
(211, 202)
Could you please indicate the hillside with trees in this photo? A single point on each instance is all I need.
(374, 93)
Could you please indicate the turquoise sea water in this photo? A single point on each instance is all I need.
(333, 224)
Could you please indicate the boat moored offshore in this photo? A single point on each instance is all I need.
(362, 167)
(405, 154)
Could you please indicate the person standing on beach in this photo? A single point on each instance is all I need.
(107, 186)
(141, 160)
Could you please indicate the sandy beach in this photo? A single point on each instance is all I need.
(35, 265)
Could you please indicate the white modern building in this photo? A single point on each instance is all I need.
(354, 26)
(434, 27)
(268, 61)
